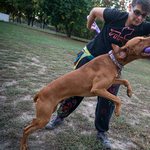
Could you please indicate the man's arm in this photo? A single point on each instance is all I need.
(96, 12)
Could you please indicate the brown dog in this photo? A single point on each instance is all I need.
(100, 74)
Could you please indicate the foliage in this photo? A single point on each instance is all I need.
(67, 15)
(6, 6)
(43, 10)
(118, 4)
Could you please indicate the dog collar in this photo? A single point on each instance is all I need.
(114, 60)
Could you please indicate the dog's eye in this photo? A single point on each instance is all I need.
(140, 40)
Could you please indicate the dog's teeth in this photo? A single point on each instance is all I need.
(146, 53)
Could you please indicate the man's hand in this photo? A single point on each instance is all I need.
(96, 12)
(93, 28)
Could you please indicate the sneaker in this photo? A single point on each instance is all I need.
(54, 123)
(104, 139)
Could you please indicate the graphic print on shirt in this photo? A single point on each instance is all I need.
(124, 33)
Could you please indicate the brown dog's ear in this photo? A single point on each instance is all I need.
(124, 41)
(116, 48)
(120, 52)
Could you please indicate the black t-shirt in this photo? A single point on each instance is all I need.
(115, 24)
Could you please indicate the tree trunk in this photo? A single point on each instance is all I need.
(20, 17)
(9, 16)
(44, 23)
(32, 22)
(33, 17)
(40, 21)
(29, 22)
(13, 17)
(69, 31)
(56, 29)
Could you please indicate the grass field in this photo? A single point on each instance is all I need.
(29, 60)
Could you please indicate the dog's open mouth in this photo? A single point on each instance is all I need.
(146, 52)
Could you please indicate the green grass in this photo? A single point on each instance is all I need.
(30, 58)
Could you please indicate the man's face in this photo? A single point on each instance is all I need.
(137, 15)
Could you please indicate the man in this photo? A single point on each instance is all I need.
(126, 25)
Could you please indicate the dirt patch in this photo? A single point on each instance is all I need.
(6, 84)
(122, 145)
(87, 108)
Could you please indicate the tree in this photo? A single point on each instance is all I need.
(29, 10)
(68, 13)
(80, 28)
(44, 11)
(7, 7)
(19, 6)
(13, 10)
(118, 4)
(22, 8)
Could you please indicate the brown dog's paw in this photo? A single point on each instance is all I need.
(117, 113)
(129, 93)
(23, 147)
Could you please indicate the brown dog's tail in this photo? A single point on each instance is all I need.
(35, 97)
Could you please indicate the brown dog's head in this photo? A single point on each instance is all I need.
(133, 49)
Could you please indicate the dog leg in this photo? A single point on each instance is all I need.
(26, 132)
(43, 114)
(104, 93)
(125, 83)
